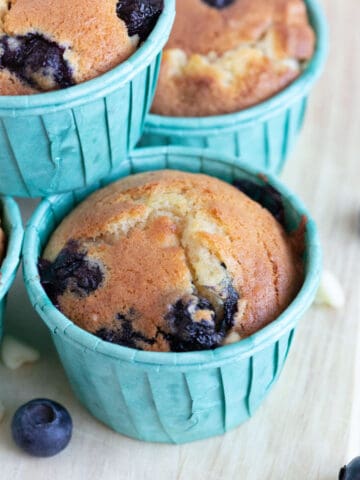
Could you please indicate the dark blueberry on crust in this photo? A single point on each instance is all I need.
(218, 3)
(42, 427)
(70, 270)
(193, 324)
(230, 308)
(140, 16)
(351, 471)
(125, 335)
(266, 195)
(32, 55)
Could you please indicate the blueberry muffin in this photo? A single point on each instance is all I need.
(226, 55)
(51, 44)
(173, 261)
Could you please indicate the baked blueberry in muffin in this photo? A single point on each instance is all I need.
(139, 15)
(226, 55)
(51, 44)
(172, 261)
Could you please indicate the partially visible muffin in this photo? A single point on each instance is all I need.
(226, 55)
(171, 261)
(51, 44)
(2, 244)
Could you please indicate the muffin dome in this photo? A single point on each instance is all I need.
(171, 261)
(50, 44)
(226, 55)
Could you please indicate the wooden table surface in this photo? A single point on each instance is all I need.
(310, 424)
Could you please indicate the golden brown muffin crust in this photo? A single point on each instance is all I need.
(11, 85)
(223, 60)
(95, 38)
(200, 28)
(167, 235)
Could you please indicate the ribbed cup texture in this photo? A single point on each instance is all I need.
(264, 144)
(172, 406)
(12, 225)
(171, 397)
(72, 148)
(261, 136)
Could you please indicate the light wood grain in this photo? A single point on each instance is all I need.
(310, 424)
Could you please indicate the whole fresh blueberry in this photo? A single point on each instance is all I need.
(219, 3)
(351, 471)
(42, 427)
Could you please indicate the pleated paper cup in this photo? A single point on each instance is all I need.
(67, 139)
(171, 397)
(263, 135)
(11, 223)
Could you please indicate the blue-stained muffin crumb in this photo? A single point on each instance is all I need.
(70, 270)
(140, 16)
(32, 56)
(266, 195)
(125, 334)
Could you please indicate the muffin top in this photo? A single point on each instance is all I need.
(226, 55)
(50, 44)
(170, 261)
(2, 244)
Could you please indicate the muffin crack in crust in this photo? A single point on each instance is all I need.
(274, 269)
(223, 60)
(186, 260)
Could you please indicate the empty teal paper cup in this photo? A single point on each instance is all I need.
(171, 397)
(67, 139)
(261, 136)
(11, 223)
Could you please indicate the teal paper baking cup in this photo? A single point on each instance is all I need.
(11, 223)
(59, 141)
(171, 397)
(261, 136)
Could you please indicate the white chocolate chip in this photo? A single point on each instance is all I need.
(233, 337)
(330, 291)
(2, 411)
(15, 353)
